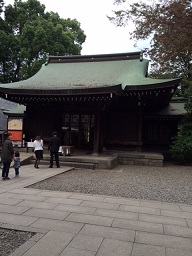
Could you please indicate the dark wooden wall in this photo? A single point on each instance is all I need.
(121, 128)
(118, 129)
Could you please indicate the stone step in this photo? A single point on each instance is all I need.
(92, 166)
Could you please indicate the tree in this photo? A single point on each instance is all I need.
(168, 24)
(1, 6)
(181, 146)
(29, 35)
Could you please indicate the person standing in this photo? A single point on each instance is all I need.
(68, 142)
(53, 147)
(17, 163)
(38, 150)
(7, 156)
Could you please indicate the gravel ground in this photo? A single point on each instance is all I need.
(12, 239)
(171, 183)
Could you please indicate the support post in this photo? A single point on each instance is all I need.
(139, 132)
(98, 140)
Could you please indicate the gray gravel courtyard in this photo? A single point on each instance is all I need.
(172, 183)
(12, 239)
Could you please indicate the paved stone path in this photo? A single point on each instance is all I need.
(71, 224)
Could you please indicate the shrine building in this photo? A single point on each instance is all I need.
(107, 100)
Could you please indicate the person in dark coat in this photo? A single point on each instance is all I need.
(53, 147)
(68, 138)
(7, 156)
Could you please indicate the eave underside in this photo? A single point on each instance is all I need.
(131, 97)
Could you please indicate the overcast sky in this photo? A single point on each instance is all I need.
(102, 36)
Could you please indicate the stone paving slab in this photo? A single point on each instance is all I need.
(76, 252)
(84, 242)
(25, 228)
(178, 231)
(163, 219)
(9, 201)
(13, 209)
(86, 218)
(138, 209)
(72, 224)
(115, 247)
(45, 213)
(96, 198)
(23, 248)
(117, 214)
(51, 244)
(189, 222)
(6, 195)
(108, 232)
(184, 215)
(37, 204)
(25, 191)
(138, 225)
(176, 252)
(117, 200)
(58, 225)
(64, 201)
(29, 197)
(147, 250)
(159, 205)
(75, 208)
(100, 205)
(16, 219)
(186, 208)
(52, 194)
(2, 190)
(163, 240)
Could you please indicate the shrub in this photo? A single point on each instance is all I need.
(181, 146)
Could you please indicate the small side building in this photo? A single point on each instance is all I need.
(5, 105)
(11, 120)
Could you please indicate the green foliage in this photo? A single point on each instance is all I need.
(181, 147)
(29, 34)
(168, 25)
(1, 6)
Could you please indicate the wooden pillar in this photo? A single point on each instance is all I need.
(139, 132)
(98, 140)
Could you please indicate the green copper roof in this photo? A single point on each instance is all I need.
(89, 72)
(7, 105)
(174, 108)
(18, 110)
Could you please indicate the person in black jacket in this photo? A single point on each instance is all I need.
(53, 147)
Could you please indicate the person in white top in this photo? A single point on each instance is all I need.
(38, 149)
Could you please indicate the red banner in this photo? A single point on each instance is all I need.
(16, 135)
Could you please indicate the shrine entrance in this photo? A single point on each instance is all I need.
(82, 129)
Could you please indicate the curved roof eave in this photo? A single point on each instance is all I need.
(67, 91)
(152, 83)
(148, 84)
